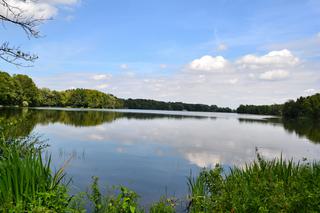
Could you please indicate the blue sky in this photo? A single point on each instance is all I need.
(155, 49)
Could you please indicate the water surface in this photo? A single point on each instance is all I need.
(152, 152)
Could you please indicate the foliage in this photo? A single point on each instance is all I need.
(125, 201)
(10, 90)
(175, 106)
(263, 186)
(21, 90)
(165, 205)
(90, 99)
(29, 93)
(26, 181)
(303, 107)
(275, 109)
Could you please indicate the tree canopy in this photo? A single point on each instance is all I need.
(175, 106)
(22, 91)
(275, 109)
(303, 107)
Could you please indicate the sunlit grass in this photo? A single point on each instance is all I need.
(26, 180)
(263, 186)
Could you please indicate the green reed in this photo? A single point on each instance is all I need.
(26, 180)
(263, 186)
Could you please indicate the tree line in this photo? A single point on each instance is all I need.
(175, 106)
(303, 107)
(274, 109)
(20, 90)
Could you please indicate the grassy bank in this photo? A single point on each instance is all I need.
(27, 184)
(263, 186)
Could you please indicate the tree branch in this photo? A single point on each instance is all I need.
(10, 13)
(14, 55)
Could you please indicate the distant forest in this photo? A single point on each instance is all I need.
(20, 90)
(303, 107)
(176, 106)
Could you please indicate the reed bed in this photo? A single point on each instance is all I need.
(262, 186)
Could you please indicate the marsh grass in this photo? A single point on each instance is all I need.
(263, 186)
(26, 180)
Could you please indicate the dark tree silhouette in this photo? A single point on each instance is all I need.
(12, 14)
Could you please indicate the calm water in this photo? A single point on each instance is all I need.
(152, 152)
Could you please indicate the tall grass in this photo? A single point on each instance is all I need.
(263, 186)
(26, 181)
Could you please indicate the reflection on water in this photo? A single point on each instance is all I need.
(151, 152)
(22, 120)
(303, 128)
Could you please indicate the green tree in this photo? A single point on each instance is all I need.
(30, 92)
(10, 90)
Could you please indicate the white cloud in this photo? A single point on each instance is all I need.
(310, 91)
(209, 64)
(163, 66)
(42, 9)
(233, 81)
(222, 47)
(274, 75)
(230, 87)
(251, 75)
(124, 66)
(102, 86)
(318, 35)
(101, 77)
(282, 58)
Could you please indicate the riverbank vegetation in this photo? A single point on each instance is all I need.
(263, 186)
(26, 180)
(27, 184)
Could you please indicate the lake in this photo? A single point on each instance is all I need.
(152, 152)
